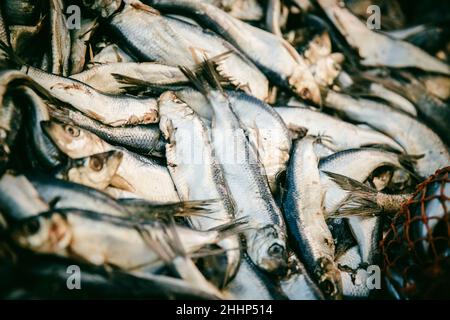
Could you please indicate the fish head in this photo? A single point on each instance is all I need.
(97, 170)
(105, 8)
(42, 233)
(329, 278)
(267, 249)
(73, 141)
(303, 84)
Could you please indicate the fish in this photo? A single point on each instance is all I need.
(305, 218)
(36, 271)
(104, 77)
(142, 139)
(175, 42)
(95, 171)
(244, 174)
(250, 283)
(19, 199)
(284, 65)
(110, 53)
(42, 153)
(10, 123)
(247, 10)
(265, 130)
(80, 43)
(343, 135)
(60, 39)
(110, 240)
(416, 138)
(24, 40)
(4, 36)
(141, 175)
(376, 49)
(196, 173)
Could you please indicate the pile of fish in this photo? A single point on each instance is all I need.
(213, 149)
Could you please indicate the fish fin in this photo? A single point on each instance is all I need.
(141, 6)
(360, 201)
(119, 182)
(135, 86)
(10, 56)
(59, 114)
(234, 227)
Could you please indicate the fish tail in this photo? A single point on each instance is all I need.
(361, 199)
(234, 227)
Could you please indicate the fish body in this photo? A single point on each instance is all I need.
(305, 217)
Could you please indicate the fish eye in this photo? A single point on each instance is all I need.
(305, 94)
(276, 250)
(32, 227)
(327, 286)
(74, 132)
(95, 164)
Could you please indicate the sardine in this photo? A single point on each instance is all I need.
(247, 10)
(104, 77)
(42, 152)
(305, 218)
(377, 49)
(174, 42)
(80, 43)
(138, 174)
(95, 171)
(244, 174)
(142, 139)
(274, 55)
(265, 129)
(195, 171)
(111, 53)
(60, 39)
(413, 136)
(343, 135)
(19, 199)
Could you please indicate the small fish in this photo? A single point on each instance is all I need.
(377, 49)
(416, 138)
(196, 173)
(274, 55)
(305, 218)
(110, 53)
(344, 135)
(60, 39)
(80, 43)
(19, 199)
(174, 42)
(104, 77)
(10, 122)
(244, 174)
(95, 171)
(141, 175)
(142, 139)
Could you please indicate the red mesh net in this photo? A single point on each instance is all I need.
(416, 247)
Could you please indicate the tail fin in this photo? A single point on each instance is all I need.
(361, 200)
(147, 210)
(10, 56)
(232, 228)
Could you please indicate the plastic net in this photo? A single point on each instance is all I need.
(416, 247)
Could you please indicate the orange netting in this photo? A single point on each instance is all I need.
(416, 247)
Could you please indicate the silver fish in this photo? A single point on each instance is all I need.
(305, 217)
(111, 53)
(195, 172)
(265, 129)
(174, 42)
(95, 171)
(247, 10)
(274, 55)
(60, 39)
(110, 110)
(104, 77)
(80, 42)
(377, 49)
(142, 139)
(343, 135)
(137, 174)
(244, 174)
(413, 136)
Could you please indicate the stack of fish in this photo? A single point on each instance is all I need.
(213, 149)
